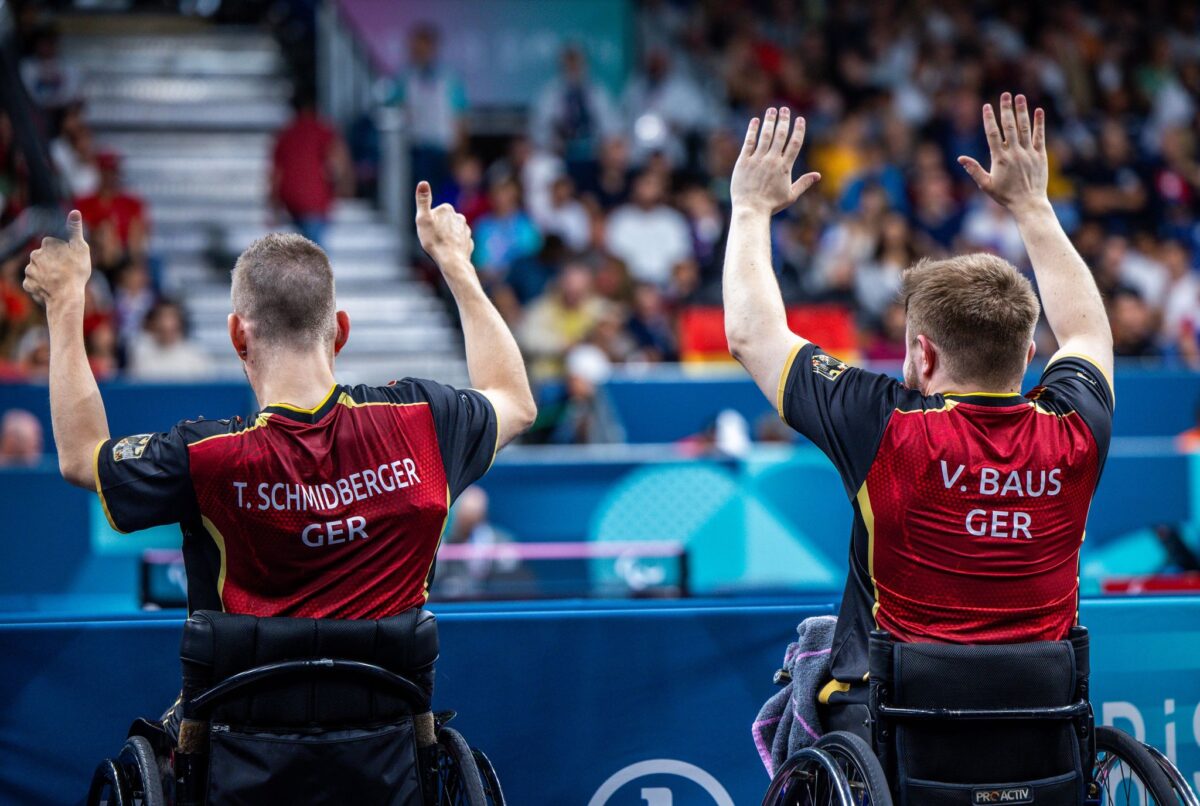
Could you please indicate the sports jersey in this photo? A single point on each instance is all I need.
(329, 512)
(969, 508)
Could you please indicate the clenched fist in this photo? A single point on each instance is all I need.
(59, 271)
(762, 177)
(443, 231)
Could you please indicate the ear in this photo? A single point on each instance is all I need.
(1030, 353)
(237, 335)
(343, 331)
(927, 357)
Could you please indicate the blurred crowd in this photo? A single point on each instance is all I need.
(607, 217)
(129, 326)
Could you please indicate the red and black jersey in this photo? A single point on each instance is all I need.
(330, 512)
(969, 508)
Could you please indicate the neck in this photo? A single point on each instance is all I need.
(941, 386)
(302, 380)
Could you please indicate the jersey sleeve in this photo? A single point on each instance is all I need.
(467, 431)
(144, 480)
(1074, 383)
(842, 409)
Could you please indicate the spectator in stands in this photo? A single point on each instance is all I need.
(877, 280)
(558, 320)
(608, 187)
(164, 352)
(74, 156)
(467, 192)
(434, 102)
(1181, 310)
(1133, 325)
(470, 526)
(566, 216)
(14, 173)
(572, 115)
(665, 110)
(647, 234)
(310, 167)
(1114, 189)
(650, 326)
(100, 342)
(583, 416)
(133, 297)
(115, 217)
(51, 83)
(506, 233)
(21, 441)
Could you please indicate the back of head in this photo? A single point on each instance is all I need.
(978, 310)
(283, 289)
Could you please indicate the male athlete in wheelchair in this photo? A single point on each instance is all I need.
(957, 674)
(309, 537)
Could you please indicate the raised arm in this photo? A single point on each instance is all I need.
(493, 360)
(57, 275)
(755, 320)
(1017, 180)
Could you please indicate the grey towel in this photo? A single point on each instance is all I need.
(788, 721)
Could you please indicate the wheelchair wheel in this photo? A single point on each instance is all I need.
(491, 784)
(1126, 773)
(864, 773)
(140, 765)
(458, 781)
(1183, 792)
(108, 787)
(810, 777)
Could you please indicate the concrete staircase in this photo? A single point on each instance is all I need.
(193, 110)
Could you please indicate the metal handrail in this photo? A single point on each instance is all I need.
(1072, 711)
(195, 707)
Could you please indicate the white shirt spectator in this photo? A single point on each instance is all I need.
(81, 176)
(651, 242)
(181, 361)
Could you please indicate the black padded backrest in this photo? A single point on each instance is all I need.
(1043, 674)
(1034, 675)
(217, 645)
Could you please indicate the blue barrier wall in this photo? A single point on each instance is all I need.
(562, 699)
(777, 518)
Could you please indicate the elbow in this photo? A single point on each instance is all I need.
(739, 345)
(526, 413)
(77, 471)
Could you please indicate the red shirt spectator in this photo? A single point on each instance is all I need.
(302, 159)
(114, 210)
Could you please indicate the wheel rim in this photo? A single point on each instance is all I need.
(1118, 784)
(451, 791)
(859, 790)
(812, 780)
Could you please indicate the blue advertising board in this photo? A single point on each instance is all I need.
(574, 704)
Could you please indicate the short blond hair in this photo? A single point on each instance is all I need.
(283, 285)
(978, 309)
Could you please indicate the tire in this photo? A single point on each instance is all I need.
(458, 781)
(810, 777)
(491, 784)
(108, 778)
(138, 761)
(1121, 763)
(858, 762)
(1184, 792)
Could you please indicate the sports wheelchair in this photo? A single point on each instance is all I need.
(951, 725)
(283, 710)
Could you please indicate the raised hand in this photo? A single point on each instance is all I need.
(59, 270)
(762, 177)
(1019, 171)
(443, 231)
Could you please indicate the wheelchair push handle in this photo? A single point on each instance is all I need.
(196, 707)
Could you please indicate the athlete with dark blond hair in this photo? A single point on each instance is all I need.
(330, 501)
(970, 499)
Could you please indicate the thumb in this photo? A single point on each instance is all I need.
(424, 197)
(804, 183)
(975, 171)
(75, 228)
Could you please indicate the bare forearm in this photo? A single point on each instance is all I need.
(755, 318)
(1070, 298)
(76, 408)
(493, 359)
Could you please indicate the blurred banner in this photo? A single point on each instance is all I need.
(504, 51)
(574, 704)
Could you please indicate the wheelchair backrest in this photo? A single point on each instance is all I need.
(940, 752)
(217, 645)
